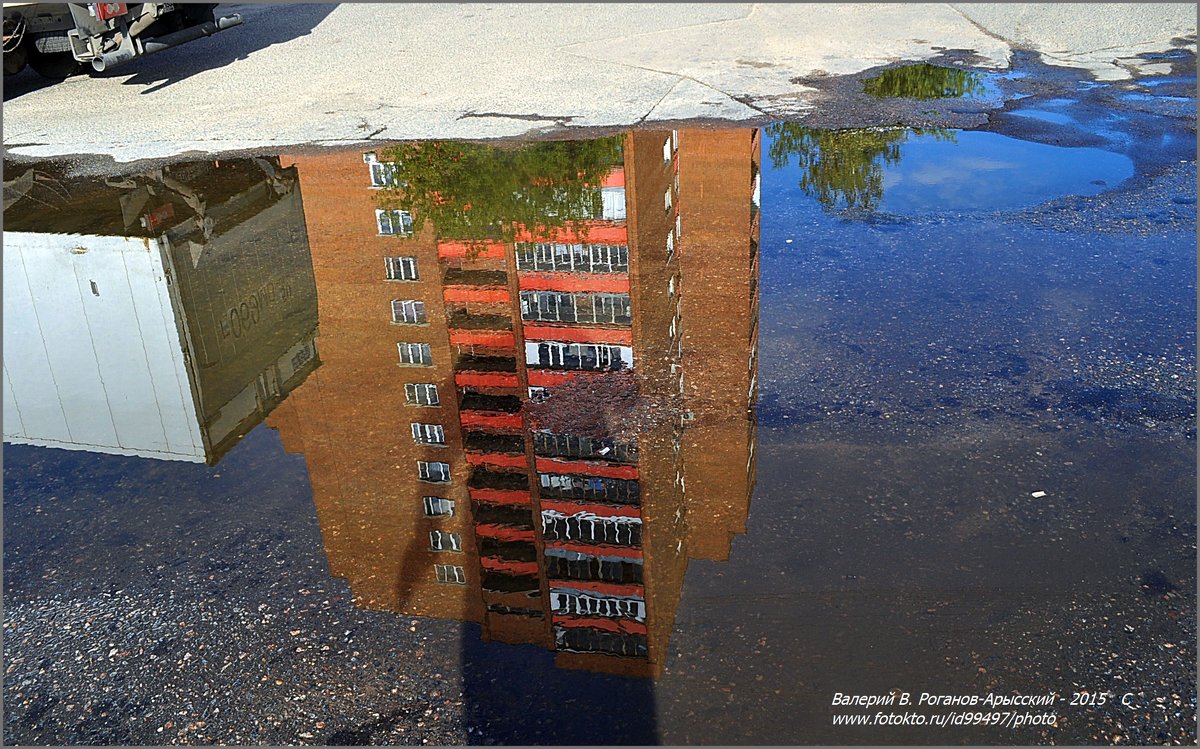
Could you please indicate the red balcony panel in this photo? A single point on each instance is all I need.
(504, 532)
(482, 338)
(578, 334)
(501, 496)
(496, 564)
(615, 178)
(490, 419)
(554, 465)
(603, 623)
(487, 379)
(597, 551)
(596, 231)
(493, 459)
(473, 250)
(608, 283)
(475, 294)
(605, 511)
(599, 586)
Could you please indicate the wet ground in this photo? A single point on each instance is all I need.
(975, 474)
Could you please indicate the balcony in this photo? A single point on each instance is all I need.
(471, 401)
(587, 568)
(509, 515)
(475, 277)
(586, 640)
(514, 551)
(470, 363)
(486, 442)
(463, 320)
(481, 478)
(505, 583)
(550, 445)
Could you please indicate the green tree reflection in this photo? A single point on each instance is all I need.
(842, 169)
(924, 81)
(474, 192)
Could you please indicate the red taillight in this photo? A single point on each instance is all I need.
(105, 11)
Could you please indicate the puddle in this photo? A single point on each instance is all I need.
(1166, 81)
(634, 439)
(925, 81)
(910, 172)
(1134, 96)
(1044, 116)
(197, 287)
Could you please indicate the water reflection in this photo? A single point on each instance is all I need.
(511, 425)
(160, 314)
(925, 81)
(842, 168)
(913, 170)
(470, 191)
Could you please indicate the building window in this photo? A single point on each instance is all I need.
(408, 312)
(393, 222)
(588, 640)
(555, 306)
(382, 172)
(667, 200)
(593, 488)
(402, 269)
(670, 244)
(589, 528)
(428, 434)
(570, 565)
(444, 541)
(574, 258)
(674, 139)
(550, 444)
(435, 471)
(587, 603)
(538, 394)
(678, 226)
(438, 507)
(585, 356)
(666, 150)
(612, 203)
(671, 287)
(415, 354)
(421, 394)
(449, 573)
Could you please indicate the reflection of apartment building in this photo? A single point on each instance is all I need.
(436, 495)
(161, 314)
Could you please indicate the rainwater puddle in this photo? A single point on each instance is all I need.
(632, 439)
(986, 171)
(913, 172)
(1043, 115)
(924, 82)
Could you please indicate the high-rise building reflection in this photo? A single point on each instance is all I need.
(535, 429)
(161, 314)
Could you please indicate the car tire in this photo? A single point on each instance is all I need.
(53, 65)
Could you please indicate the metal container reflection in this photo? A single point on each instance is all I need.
(160, 314)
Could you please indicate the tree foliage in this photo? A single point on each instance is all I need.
(924, 81)
(473, 192)
(842, 168)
